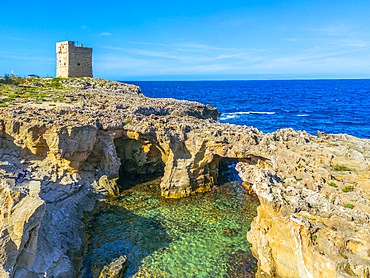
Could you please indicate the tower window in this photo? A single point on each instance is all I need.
(78, 64)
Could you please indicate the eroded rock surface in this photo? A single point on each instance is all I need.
(115, 269)
(59, 156)
(314, 218)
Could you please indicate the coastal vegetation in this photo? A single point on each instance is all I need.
(332, 184)
(55, 83)
(348, 188)
(349, 206)
(313, 237)
(19, 90)
(338, 167)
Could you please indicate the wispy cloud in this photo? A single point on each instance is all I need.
(332, 29)
(291, 40)
(15, 38)
(351, 43)
(147, 43)
(147, 59)
(307, 55)
(159, 54)
(17, 56)
(117, 48)
(105, 34)
(200, 46)
(313, 60)
(144, 67)
(186, 52)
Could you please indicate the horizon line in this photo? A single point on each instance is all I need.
(257, 79)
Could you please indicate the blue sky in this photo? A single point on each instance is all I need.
(191, 40)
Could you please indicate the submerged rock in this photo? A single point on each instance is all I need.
(115, 269)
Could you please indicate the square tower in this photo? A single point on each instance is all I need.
(73, 61)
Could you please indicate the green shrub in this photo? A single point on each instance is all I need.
(349, 206)
(332, 184)
(349, 188)
(55, 83)
(339, 167)
(313, 237)
(61, 97)
(12, 96)
(127, 122)
(9, 80)
(7, 99)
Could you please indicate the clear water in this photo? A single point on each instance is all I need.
(331, 106)
(199, 236)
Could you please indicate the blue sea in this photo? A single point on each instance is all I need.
(330, 106)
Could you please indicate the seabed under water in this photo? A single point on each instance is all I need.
(204, 235)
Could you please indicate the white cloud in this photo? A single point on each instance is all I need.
(159, 54)
(186, 53)
(105, 34)
(332, 29)
(17, 56)
(351, 43)
(329, 55)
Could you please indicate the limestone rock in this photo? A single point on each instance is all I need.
(115, 269)
(58, 159)
(109, 185)
(20, 218)
(304, 226)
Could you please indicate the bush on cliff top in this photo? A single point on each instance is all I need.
(339, 167)
(349, 206)
(349, 188)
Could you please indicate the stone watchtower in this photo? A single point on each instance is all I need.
(73, 61)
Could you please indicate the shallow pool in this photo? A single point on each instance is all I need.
(204, 235)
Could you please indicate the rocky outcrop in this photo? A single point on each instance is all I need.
(314, 218)
(115, 269)
(60, 156)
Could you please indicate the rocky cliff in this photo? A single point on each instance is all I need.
(83, 138)
(313, 219)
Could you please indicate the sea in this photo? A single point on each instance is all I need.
(329, 106)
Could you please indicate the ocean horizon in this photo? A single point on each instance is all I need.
(327, 105)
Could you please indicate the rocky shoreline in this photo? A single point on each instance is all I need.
(61, 154)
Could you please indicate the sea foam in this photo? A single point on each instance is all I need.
(233, 115)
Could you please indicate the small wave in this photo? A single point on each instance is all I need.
(349, 123)
(250, 112)
(302, 115)
(228, 117)
(233, 115)
(285, 110)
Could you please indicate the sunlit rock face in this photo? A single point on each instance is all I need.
(59, 157)
(313, 219)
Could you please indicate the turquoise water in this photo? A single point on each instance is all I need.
(200, 236)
